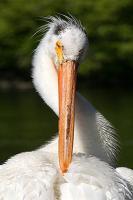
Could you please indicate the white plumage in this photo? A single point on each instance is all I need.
(36, 174)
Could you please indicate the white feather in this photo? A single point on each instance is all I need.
(38, 177)
(126, 173)
(28, 176)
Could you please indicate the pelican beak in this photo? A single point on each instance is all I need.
(67, 75)
(67, 86)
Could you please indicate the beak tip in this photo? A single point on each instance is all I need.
(64, 168)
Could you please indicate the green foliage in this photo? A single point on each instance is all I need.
(108, 23)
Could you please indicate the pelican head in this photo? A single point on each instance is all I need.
(70, 35)
(65, 44)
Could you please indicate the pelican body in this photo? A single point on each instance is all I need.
(81, 167)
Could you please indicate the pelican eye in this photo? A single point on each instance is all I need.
(81, 51)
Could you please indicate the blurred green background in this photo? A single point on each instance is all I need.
(106, 77)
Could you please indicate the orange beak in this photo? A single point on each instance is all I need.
(67, 75)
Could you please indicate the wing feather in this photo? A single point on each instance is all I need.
(108, 137)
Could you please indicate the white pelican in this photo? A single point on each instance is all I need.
(37, 175)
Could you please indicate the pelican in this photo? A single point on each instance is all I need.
(85, 168)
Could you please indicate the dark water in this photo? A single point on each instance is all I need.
(26, 123)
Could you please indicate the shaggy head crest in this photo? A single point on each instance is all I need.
(69, 32)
